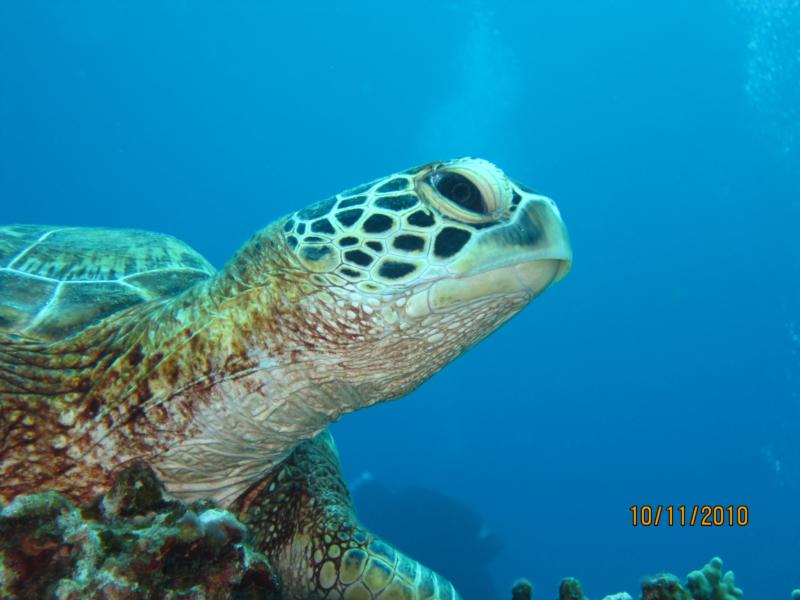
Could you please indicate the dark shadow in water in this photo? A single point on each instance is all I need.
(434, 529)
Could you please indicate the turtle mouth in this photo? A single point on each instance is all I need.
(522, 258)
(528, 279)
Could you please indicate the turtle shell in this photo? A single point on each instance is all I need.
(56, 281)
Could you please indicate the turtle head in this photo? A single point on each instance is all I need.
(457, 230)
(426, 262)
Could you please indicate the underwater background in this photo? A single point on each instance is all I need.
(665, 369)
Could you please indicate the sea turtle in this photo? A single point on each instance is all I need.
(123, 345)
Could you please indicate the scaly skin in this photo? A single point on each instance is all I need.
(322, 551)
(221, 368)
(238, 371)
(133, 386)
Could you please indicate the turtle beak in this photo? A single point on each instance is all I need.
(526, 255)
(535, 242)
(547, 235)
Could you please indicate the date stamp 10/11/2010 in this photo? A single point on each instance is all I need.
(700, 515)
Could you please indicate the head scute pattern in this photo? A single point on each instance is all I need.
(406, 227)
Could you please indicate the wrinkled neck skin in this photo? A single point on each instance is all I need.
(286, 353)
(218, 385)
(273, 359)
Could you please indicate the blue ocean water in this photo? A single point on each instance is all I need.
(664, 370)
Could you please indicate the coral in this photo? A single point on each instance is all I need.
(710, 583)
(570, 589)
(796, 594)
(522, 590)
(663, 587)
(133, 541)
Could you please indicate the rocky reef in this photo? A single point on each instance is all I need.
(138, 542)
(134, 543)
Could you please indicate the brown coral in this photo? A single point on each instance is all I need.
(136, 543)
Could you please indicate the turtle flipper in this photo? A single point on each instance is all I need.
(304, 521)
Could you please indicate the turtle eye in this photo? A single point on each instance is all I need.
(459, 189)
(468, 190)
